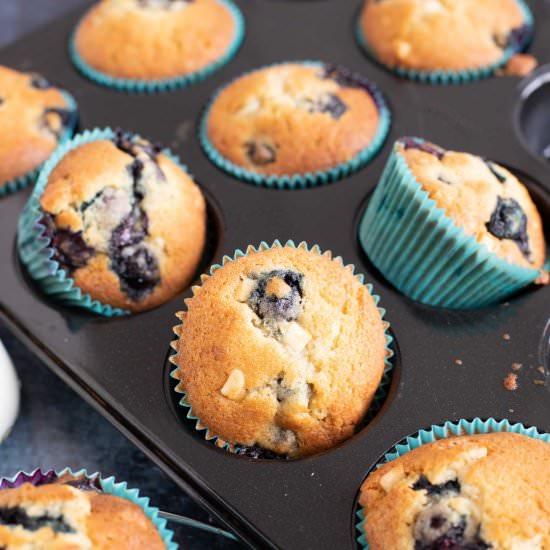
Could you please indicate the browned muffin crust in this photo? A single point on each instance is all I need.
(62, 517)
(154, 39)
(485, 491)
(483, 198)
(282, 349)
(293, 118)
(430, 35)
(126, 222)
(32, 117)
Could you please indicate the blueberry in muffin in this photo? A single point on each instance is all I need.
(72, 512)
(152, 40)
(294, 358)
(483, 198)
(461, 493)
(35, 116)
(124, 221)
(444, 35)
(294, 119)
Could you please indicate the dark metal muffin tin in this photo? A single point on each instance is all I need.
(119, 365)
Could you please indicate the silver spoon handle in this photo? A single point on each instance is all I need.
(196, 524)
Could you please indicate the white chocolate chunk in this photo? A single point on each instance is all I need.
(390, 478)
(244, 289)
(534, 543)
(251, 107)
(402, 49)
(234, 387)
(294, 336)
(432, 6)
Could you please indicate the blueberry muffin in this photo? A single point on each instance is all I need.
(155, 39)
(70, 513)
(293, 118)
(443, 35)
(124, 221)
(481, 197)
(280, 352)
(34, 116)
(464, 493)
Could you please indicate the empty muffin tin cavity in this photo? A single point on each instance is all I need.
(533, 113)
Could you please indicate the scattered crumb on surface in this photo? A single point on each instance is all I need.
(459, 362)
(520, 64)
(506, 337)
(511, 381)
(511, 410)
(539, 382)
(516, 366)
(544, 279)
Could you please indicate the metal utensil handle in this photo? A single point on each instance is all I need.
(196, 524)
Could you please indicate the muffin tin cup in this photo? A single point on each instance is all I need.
(166, 84)
(109, 485)
(423, 253)
(385, 382)
(443, 431)
(447, 77)
(34, 247)
(309, 179)
(30, 177)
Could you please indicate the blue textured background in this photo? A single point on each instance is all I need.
(55, 427)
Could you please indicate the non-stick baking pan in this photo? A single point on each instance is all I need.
(448, 364)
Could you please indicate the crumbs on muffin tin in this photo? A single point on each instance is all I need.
(511, 381)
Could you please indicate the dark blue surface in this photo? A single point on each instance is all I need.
(55, 427)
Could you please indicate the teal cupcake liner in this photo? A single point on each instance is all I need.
(165, 84)
(30, 177)
(383, 388)
(308, 179)
(443, 431)
(109, 485)
(34, 247)
(421, 251)
(454, 77)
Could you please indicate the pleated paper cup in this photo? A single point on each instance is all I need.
(424, 254)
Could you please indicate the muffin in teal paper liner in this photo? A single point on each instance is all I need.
(37, 117)
(441, 42)
(282, 353)
(99, 230)
(295, 125)
(452, 229)
(78, 510)
(470, 485)
(151, 46)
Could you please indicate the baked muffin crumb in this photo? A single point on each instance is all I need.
(483, 198)
(443, 35)
(462, 492)
(293, 119)
(36, 116)
(175, 38)
(314, 355)
(110, 208)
